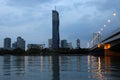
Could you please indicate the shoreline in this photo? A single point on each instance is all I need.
(44, 52)
(45, 55)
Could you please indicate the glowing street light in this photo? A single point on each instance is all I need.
(104, 25)
(99, 32)
(108, 20)
(114, 14)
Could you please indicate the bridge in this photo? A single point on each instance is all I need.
(112, 41)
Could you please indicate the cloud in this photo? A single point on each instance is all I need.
(27, 3)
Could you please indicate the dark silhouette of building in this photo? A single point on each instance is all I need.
(55, 29)
(55, 68)
(7, 43)
(20, 43)
(63, 43)
(50, 43)
(14, 45)
(78, 43)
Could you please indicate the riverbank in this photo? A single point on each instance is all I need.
(37, 52)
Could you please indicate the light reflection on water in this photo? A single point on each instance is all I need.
(59, 68)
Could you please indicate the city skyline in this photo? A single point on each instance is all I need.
(31, 19)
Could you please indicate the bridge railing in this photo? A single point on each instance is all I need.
(110, 34)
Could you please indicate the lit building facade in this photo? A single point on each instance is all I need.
(7, 43)
(55, 29)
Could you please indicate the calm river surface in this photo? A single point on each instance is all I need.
(84, 67)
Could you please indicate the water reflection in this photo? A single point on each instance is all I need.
(105, 67)
(111, 53)
(7, 65)
(55, 68)
(59, 68)
(94, 68)
(18, 64)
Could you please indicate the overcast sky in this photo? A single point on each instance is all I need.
(32, 19)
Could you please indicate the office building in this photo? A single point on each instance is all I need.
(7, 43)
(78, 43)
(36, 46)
(55, 29)
(20, 43)
(63, 43)
(69, 45)
(50, 43)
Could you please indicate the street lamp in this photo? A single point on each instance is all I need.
(114, 14)
(108, 20)
(104, 25)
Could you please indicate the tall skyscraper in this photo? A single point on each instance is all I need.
(55, 29)
(20, 43)
(7, 43)
(78, 43)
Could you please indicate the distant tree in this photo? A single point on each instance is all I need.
(33, 51)
(18, 51)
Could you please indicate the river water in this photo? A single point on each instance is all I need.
(82, 67)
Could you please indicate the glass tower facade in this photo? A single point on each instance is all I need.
(55, 29)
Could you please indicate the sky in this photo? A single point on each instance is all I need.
(32, 19)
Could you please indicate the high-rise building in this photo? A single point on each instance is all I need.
(55, 29)
(20, 43)
(63, 43)
(14, 45)
(78, 43)
(50, 43)
(7, 43)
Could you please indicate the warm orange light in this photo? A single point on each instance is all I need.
(98, 45)
(107, 46)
